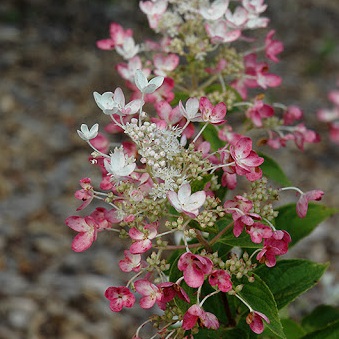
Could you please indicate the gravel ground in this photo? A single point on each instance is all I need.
(49, 68)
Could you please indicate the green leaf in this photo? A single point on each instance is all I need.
(260, 298)
(210, 134)
(272, 170)
(320, 317)
(329, 332)
(290, 278)
(292, 330)
(299, 228)
(179, 96)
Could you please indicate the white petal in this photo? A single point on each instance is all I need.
(140, 80)
(184, 193)
(119, 97)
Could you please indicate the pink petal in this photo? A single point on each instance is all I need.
(83, 241)
(77, 224)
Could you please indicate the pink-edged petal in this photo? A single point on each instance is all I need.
(135, 234)
(184, 192)
(83, 241)
(141, 246)
(78, 224)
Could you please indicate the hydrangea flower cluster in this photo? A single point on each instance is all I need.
(167, 186)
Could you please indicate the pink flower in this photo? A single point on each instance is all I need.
(170, 116)
(219, 32)
(119, 297)
(240, 208)
(195, 314)
(273, 47)
(154, 11)
(165, 63)
(117, 37)
(100, 217)
(276, 245)
(259, 231)
(244, 157)
(86, 194)
(142, 239)
(303, 134)
(195, 267)
(238, 18)
(170, 290)
(150, 292)
(305, 198)
(185, 202)
(210, 113)
(255, 320)
(259, 111)
(292, 114)
(215, 10)
(88, 230)
(131, 262)
(222, 279)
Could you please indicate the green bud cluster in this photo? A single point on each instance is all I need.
(262, 196)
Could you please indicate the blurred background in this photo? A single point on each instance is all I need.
(49, 67)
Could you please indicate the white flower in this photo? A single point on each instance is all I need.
(123, 109)
(215, 11)
(191, 111)
(146, 86)
(105, 102)
(86, 134)
(185, 202)
(118, 165)
(129, 49)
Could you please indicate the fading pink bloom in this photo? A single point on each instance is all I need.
(292, 114)
(154, 11)
(165, 63)
(86, 194)
(273, 47)
(238, 18)
(168, 115)
(170, 290)
(131, 262)
(119, 297)
(221, 279)
(213, 114)
(117, 37)
(151, 294)
(255, 321)
(88, 230)
(185, 202)
(302, 135)
(191, 110)
(259, 231)
(127, 70)
(240, 208)
(244, 157)
(128, 49)
(219, 32)
(215, 10)
(100, 217)
(276, 245)
(195, 314)
(305, 198)
(142, 239)
(258, 111)
(195, 267)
